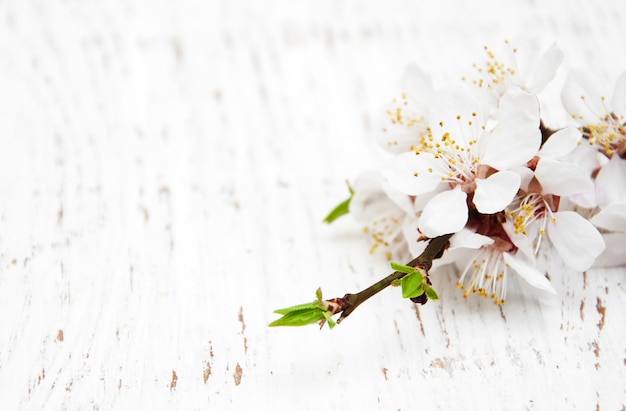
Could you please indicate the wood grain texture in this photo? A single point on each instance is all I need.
(165, 170)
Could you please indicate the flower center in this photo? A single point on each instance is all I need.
(403, 113)
(457, 153)
(530, 209)
(609, 134)
(495, 74)
(485, 275)
(386, 234)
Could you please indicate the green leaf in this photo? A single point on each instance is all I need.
(299, 318)
(341, 209)
(431, 293)
(412, 285)
(305, 314)
(329, 319)
(299, 307)
(403, 268)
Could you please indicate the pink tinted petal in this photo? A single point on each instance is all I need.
(561, 143)
(496, 192)
(401, 173)
(561, 178)
(611, 182)
(516, 138)
(528, 272)
(546, 68)
(612, 218)
(577, 241)
(446, 213)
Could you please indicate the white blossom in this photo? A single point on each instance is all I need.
(461, 160)
(385, 214)
(485, 262)
(510, 66)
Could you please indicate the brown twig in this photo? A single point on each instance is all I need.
(349, 302)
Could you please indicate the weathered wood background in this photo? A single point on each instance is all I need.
(165, 169)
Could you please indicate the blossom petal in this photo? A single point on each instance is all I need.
(446, 213)
(418, 82)
(614, 254)
(369, 202)
(522, 241)
(546, 68)
(561, 143)
(612, 217)
(496, 192)
(463, 246)
(369, 205)
(516, 138)
(526, 175)
(586, 156)
(469, 239)
(576, 240)
(412, 235)
(585, 200)
(562, 178)
(401, 173)
(581, 96)
(611, 182)
(528, 272)
(619, 95)
(420, 201)
(402, 200)
(404, 120)
(396, 137)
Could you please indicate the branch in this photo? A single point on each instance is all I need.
(349, 302)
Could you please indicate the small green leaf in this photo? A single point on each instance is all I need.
(403, 268)
(431, 293)
(412, 285)
(305, 314)
(299, 307)
(329, 319)
(341, 209)
(299, 318)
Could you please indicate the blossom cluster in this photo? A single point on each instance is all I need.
(475, 160)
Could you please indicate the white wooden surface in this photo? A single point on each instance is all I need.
(165, 169)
